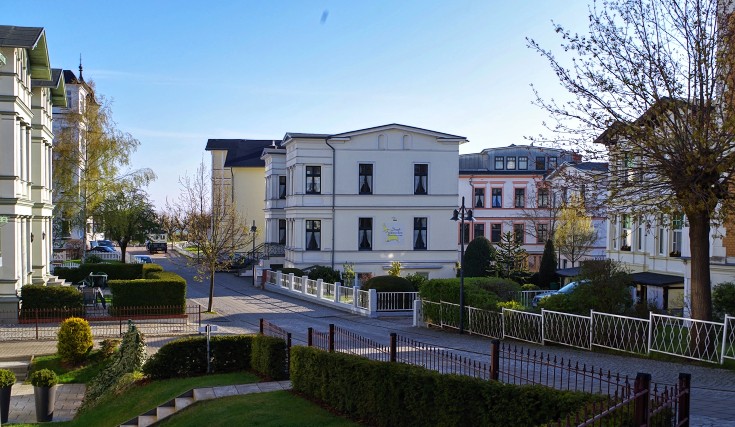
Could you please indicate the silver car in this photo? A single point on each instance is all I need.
(566, 289)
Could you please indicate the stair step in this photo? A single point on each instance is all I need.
(146, 420)
(164, 411)
(183, 402)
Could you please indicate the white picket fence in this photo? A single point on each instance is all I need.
(678, 336)
(355, 300)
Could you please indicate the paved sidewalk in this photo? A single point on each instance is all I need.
(23, 409)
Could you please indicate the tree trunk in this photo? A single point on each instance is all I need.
(701, 290)
(211, 289)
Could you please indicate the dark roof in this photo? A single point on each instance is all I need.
(307, 135)
(592, 166)
(568, 272)
(656, 279)
(54, 82)
(70, 77)
(242, 152)
(26, 37)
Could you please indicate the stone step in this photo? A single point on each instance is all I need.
(146, 420)
(183, 402)
(164, 411)
(18, 366)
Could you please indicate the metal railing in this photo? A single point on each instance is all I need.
(396, 301)
(690, 338)
(43, 324)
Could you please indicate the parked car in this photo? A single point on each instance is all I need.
(107, 243)
(106, 249)
(566, 289)
(143, 259)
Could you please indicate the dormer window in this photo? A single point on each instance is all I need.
(523, 163)
(499, 163)
(510, 163)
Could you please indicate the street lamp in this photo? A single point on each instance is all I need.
(254, 229)
(462, 214)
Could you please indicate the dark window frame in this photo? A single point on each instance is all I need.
(479, 197)
(420, 233)
(499, 163)
(313, 180)
(313, 234)
(282, 186)
(522, 199)
(497, 199)
(365, 178)
(524, 161)
(496, 232)
(421, 179)
(282, 232)
(365, 234)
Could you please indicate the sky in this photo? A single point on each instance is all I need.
(181, 72)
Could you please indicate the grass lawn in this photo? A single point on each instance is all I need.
(278, 408)
(115, 410)
(70, 374)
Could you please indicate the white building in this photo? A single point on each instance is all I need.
(28, 89)
(367, 197)
(506, 189)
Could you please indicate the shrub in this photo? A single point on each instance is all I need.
(108, 347)
(416, 280)
(388, 394)
(723, 300)
(529, 287)
(504, 289)
(51, 297)
(44, 378)
(479, 258)
(395, 269)
(388, 284)
(188, 356)
(606, 289)
(150, 268)
(93, 259)
(74, 340)
(511, 305)
(160, 289)
(327, 274)
(296, 272)
(269, 357)
(7, 378)
(437, 290)
(113, 271)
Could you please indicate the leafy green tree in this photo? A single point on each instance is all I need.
(604, 286)
(653, 81)
(479, 257)
(547, 269)
(575, 235)
(723, 300)
(125, 216)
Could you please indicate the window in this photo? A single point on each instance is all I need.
(540, 163)
(365, 234)
(465, 233)
(543, 197)
(499, 162)
(552, 162)
(479, 197)
(626, 225)
(479, 230)
(419, 233)
(523, 163)
(365, 180)
(313, 180)
(639, 234)
(519, 233)
(313, 235)
(520, 198)
(68, 99)
(282, 187)
(542, 233)
(677, 223)
(282, 231)
(495, 231)
(420, 178)
(497, 197)
(661, 236)
(510, 163)
(582, 192)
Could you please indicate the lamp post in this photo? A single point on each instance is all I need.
(253, 230)
(462, 214)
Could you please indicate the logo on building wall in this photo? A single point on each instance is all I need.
(393, 232)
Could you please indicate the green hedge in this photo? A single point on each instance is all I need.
(150, 268)
(113, 271)
(448, 290)
(270, 357)
(187, 357)
(162, 288)
(389, 284)
(388, 394)
(505, 289)
(47, 297)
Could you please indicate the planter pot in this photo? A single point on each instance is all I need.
(45, 398)
(4, 404)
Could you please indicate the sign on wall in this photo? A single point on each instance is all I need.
(393, 232)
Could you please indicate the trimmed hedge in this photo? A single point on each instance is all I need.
(187, 357)
(296, 272)
(161, 288)
(448, 290)
(150, 268)
(47, 297)
(270, 357)
(389, 284)
(388, 394)
(113, 271)
(505, 289)
(74, 340)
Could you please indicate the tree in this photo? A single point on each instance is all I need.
(575, 235)
(479, 258)
(547, 269)
(212, 222)
(510, 257)
(125, 216)
(653, 81)
(90, 153)
(603, 286)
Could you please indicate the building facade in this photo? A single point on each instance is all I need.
(29, 89)
(506, 189)
(367, 198)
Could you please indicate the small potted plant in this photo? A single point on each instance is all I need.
(625, 248)
(675, 254)
(7, 379)
(44, 391)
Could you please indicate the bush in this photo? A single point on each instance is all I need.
(74, 340)
(479, 258)
(150, 268)
(7, 378)
(447, 290)
(51, 297)
(416, 280)
(325, 273)
(388, 394)
(160, 289)
(44, 378)
(504, 289)
(511, 305)
(113, 271)
(296, 272)
(108, 347)
(93, 259)
(723, 300)
(388, 284)
(529, 287)
(269, 357)
(187, 357)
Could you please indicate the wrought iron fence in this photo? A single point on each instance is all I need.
(43, 324)
(346, 341)
(439, 359)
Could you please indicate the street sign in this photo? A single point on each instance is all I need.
(212, 328)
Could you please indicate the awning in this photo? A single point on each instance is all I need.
(656, 279)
